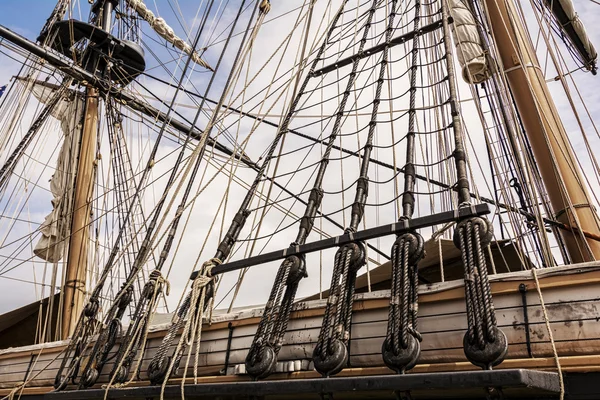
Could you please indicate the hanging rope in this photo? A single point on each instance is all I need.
(87, 323)
(485, 345)
(134, 339)
(198, 300)
(144, 308)
(550, 334)
(330, 355)
(401, 347)
(100, 352)
(268, 339)
(158, 372)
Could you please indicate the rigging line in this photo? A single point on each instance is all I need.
(66, 238)
(235, 228)
(504, 128)
(150, 184)
(24, 65)
(57, 287)
(257, 226)
(287, 41)
(14, 115)
(547, 119)
(331, 351)
(255, 167)
(265, 22)
(557, 63)
(25, 191)
(531, 172)
(152, 154)
(555, 223)
(11, 162)
(559, 68)
(225, 28)
(319, 212)
(193, 166)
(36, 232)
(189, 130)
(274, 322)
(275, 125)
(201, 145)
(123, 174)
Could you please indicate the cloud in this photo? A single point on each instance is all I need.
(270, 94)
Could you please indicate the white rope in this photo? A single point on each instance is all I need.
(547, 321)
(159, 284)
(193, 324)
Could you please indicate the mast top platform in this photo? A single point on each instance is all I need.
(126, 56)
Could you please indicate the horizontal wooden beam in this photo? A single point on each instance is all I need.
(376, 49)
(570, 365)
(372, 233)
(454, 384)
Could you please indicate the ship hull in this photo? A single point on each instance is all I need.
(571, 303)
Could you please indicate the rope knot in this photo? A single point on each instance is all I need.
(159, 282)
(265, 6)
(208, 266)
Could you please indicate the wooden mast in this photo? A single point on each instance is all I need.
(75, 275)
(558, 166)
(74, 287)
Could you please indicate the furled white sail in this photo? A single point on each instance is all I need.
(165, 31)
(55, 227)
(469, 50)
(575, 22)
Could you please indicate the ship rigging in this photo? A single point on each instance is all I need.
(411, 153)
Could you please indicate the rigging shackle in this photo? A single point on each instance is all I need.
(485, 345)
(401, 348)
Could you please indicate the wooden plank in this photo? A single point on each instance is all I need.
(573, 313)
(578, 363)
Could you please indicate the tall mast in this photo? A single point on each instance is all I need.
(75, 274)
(554, 156)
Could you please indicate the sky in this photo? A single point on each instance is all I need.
(26, 18)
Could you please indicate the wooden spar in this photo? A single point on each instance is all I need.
(75, 274)
(558, 166)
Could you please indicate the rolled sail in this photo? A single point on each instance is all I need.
(469, 49)
(166, 32)
(576, 35)
(55, 227)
